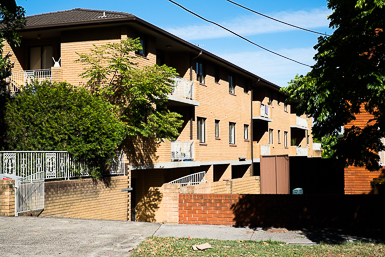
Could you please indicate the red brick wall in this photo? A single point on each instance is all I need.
(207, 209)
(357, 179)
(289, 211)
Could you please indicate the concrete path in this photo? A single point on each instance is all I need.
(31, 236)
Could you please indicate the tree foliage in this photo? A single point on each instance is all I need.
(11, 18)
(61, 117)
(140, 93)
(349, 74)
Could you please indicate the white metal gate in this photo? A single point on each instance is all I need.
(29, 196)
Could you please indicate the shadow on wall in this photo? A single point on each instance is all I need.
(148, 205)
(378, 184)
(310, 211)
(140, 151)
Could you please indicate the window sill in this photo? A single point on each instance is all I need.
(203, 144)
(232, 94)
(202, 84)
(247, 140)
(217, 138)
(232, 145)
(217, 83)
(142, 56)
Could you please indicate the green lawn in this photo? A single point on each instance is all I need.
(169, 246)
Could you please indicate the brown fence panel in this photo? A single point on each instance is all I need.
(268, 175)
(275, 174)
(283, 174)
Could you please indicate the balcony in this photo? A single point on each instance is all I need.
(182, 150)
(182, 92)
(261, 112)
(300, 123)
(301, 151)
(22, 78)
(265, 149)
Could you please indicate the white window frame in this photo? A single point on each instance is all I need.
(285, 135)
(271, 136)
(231, 133)
(279, 136)
(200, 70)
(231, 84)
(201, 130)
(246, 132)
(216, 129)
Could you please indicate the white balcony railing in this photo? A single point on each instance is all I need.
(182, 150)
(301, 151)
(22, 78)
(183, 88)
(192, 179)
(265, 111)
(302, 122)
(265, 149)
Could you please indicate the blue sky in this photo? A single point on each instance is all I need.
(288, 41)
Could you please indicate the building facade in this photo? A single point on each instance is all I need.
(231, 117)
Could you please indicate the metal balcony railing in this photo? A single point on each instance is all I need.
(192, 179)
(22, 78)
(265, 149)
(301, 151)
(301, 122)
(182, 150)
(183, 88)
(265, 111)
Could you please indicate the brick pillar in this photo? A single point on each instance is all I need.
(7, 197)
(57, 74)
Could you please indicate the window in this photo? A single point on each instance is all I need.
(307, 138)
(231, 85)
(246, 132)
(160, 57)
(200, 72)
(279, 137)
(201, 133)
(231, 133)
(271, 141)
(142, 51)
(217, 128)
(216, 75)
(285, 107)
(285, 138)
(40, 57)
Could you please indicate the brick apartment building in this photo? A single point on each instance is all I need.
(233, 118)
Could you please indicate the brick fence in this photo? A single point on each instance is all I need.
(290, 211)
(87, 199)
(212, 209)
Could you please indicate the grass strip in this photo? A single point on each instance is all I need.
(170, 246)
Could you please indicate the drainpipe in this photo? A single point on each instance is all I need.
(192, 113)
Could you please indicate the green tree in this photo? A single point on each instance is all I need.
(349, 73)
(59, 116)
(140, 93)
(11, 18)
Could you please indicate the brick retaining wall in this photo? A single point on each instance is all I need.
(211, 209)
(289, 211)
(87, 199)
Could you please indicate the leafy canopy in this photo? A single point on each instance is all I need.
(349, 74)
(61, 117)
(140, 93)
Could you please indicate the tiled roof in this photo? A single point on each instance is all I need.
(73, 16)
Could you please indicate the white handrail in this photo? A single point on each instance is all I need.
(192, 179)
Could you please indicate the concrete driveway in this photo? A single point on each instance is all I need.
(30, 236)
